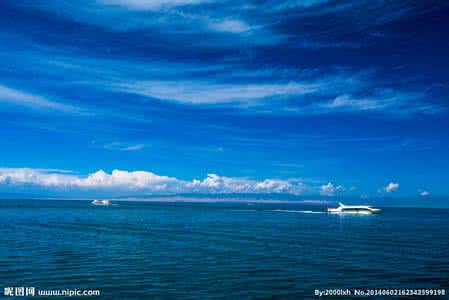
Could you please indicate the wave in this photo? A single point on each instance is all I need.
(241, 209)
(299, 211)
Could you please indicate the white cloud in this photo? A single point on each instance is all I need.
(144, 181)
(118, 146)
(391, 187)
(39, 177)
(215, 183)
(9, 95)
(424, 193)
(231, 26)
(134, 147)
(100, 179)
(129, 180)
(327, 189)
(340, 188)
(273, 185)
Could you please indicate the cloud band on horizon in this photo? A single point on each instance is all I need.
(143, 181)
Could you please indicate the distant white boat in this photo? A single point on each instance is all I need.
(353, 209)
(102, 202)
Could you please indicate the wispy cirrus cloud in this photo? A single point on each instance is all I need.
(252, 23)
(197, 92)
(285, 91)
(234, 85)
(119, 146)
(325, 94)
(149, 4)
(229, 25)
(389, 102)
(135, 147)
(20, 98)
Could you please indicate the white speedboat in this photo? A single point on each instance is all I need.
(102, 202)
(353, 209)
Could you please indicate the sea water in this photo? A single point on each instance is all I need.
(214, 250)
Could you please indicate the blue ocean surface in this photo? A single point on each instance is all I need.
(135, 250)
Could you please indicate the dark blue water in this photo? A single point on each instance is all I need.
(174, 250)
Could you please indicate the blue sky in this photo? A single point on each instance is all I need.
(306, 97)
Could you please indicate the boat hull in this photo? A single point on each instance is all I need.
(365, 212)
(353, 209)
